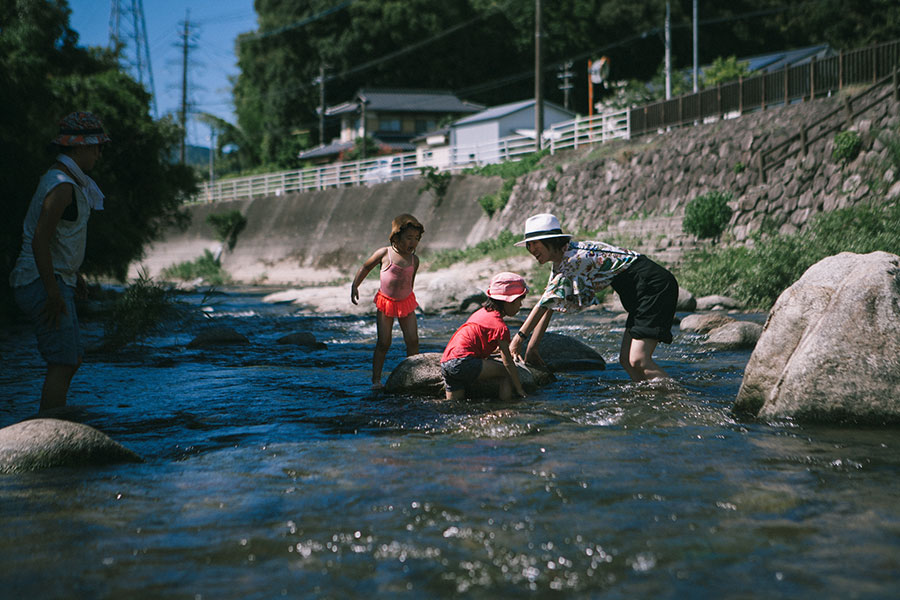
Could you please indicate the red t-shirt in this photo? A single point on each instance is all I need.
(479, 336)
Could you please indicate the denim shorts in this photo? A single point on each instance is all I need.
(58, 345)
(461, 372)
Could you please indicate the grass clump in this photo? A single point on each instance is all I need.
(757, 275)
(205, 267)
(847, 145)
(138, 312)
(509, 171)
(706, 216)
(498, 247)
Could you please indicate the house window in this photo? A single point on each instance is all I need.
(423, 125)
(386, 124)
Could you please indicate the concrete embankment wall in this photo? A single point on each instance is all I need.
(633, 192)
(326, 235)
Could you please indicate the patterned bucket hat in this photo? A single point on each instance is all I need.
(80, 129)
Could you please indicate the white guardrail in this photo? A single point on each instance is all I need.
(579, 132)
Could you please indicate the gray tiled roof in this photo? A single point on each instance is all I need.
(399, 100)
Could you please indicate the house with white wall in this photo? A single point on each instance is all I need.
(392, 117)
(480, 138)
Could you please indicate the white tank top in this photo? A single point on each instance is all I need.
(67, 246)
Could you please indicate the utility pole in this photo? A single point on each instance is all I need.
(321, 81)
(135, 37)
(185, 45)
(538, 79)
(668, 67)
(695, 47)
(566, 75)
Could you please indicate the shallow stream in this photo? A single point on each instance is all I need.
(271, 471)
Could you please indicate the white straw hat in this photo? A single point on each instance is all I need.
(540, 227)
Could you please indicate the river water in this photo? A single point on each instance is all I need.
(271, 471)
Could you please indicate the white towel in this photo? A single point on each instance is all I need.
(88, 186)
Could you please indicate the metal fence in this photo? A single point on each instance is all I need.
(792, 84)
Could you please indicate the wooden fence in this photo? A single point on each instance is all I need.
(792, 84)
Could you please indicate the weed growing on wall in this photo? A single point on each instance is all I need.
(509, 171)
(435, 182)
(707, 216)
(497, 248)
(227, 226)
(847, 145)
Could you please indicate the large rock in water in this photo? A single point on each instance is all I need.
(565, 353)
(42, 443)
(420, 375)
(830, 350)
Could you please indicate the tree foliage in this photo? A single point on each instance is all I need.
(484, 50)
(44, 75)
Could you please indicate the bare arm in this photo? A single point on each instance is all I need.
(536, 324)
(370, 263)
(511, 368)
(51, 212)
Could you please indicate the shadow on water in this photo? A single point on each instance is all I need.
(273, 470)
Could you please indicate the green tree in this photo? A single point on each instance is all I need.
(44, 75)
(724, 70)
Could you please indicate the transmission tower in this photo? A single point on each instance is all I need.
(128, 28)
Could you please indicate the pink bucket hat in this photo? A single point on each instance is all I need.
(80, 129)
(506, 286)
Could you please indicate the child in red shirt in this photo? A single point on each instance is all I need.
(467, 357)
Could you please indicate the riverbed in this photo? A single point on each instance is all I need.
(274, 471)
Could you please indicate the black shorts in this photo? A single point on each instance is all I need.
(649, 293)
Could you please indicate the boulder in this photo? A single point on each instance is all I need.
(218, 336)
(565, 353)
(830, 347)
(446, 292)
(704, 322)
(420, 375)
(737, 335)
(304, 339)
(686, 301)
(717, 302)
(42, 443)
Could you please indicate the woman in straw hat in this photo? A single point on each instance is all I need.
(45, 278)
(648, 292)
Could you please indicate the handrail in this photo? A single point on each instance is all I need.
(803, 132)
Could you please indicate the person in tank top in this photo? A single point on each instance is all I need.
(395, 298)
(46, 277)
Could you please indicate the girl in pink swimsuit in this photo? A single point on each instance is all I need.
(395, 297)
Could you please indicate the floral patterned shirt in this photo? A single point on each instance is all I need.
(586, 268)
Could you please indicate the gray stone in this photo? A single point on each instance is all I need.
(303, 339)
(715, 301)
(830, 350)
(43, 443)
(686, 301)
(737, 335)
(217, 336)
(420, 375)
(704, 322)
(566, 353)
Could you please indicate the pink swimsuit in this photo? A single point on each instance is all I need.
(395, 298)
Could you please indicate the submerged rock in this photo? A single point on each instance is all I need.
(420, 375)
(686, 301)
(830, 350)
(303, 339)
(43, 443)
(218, 336)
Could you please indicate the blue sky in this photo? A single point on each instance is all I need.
(214, 24)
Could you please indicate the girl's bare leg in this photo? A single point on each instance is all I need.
(385, 324)
(636, 357)
(56, 385)
(491, 369)
(410, 329)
